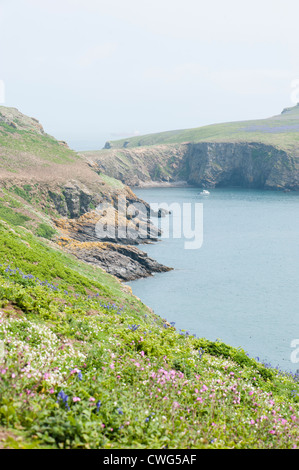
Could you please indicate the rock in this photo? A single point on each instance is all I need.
(77, 198)
(247, 165)
(14, 118)
(63, 143)
(125, 262)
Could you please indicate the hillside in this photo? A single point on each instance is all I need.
(281, 130)
(53, 191)
(85, 364)
(258, 153)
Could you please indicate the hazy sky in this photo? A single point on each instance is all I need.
(97, 70)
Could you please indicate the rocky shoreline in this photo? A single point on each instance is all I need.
(117, 254)
(162, 184)
(125, 262)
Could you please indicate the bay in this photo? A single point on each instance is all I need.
(242, 285)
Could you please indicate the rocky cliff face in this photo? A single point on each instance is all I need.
(15, 119)
(139, 166)
(207, 164)
(125, 262)
(247, 165)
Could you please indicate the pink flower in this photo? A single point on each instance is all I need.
(252, 421)
(142, 353)
(76, 399)
(92, 399)
(176, 404)
(51, 390)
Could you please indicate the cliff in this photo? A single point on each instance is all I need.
(247, 165)
(260, 154)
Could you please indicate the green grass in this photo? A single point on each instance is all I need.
(112, 182)
(14, 218)
(45, 147)
(87, 365)
(277, 131)
(45, 231)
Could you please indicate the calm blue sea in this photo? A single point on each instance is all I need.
(242, 285)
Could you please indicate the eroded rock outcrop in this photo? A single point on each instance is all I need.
(125, 262)
(246, 165)
(108, 238)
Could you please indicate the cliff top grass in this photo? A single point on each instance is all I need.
(281, 131)
(85, 364)
(20, 133)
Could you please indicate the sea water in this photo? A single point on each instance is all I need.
(242, 285)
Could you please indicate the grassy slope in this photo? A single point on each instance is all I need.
(281, 131)
(47, 148)
(27, 153)
(87, 365)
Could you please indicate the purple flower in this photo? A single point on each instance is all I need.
(63, 397)
(98, 405)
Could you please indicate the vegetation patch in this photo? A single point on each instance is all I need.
(45, 231)
(12, 217)
(77, 347)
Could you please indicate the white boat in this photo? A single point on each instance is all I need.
(205, 193)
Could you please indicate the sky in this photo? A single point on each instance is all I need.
(97, 70)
